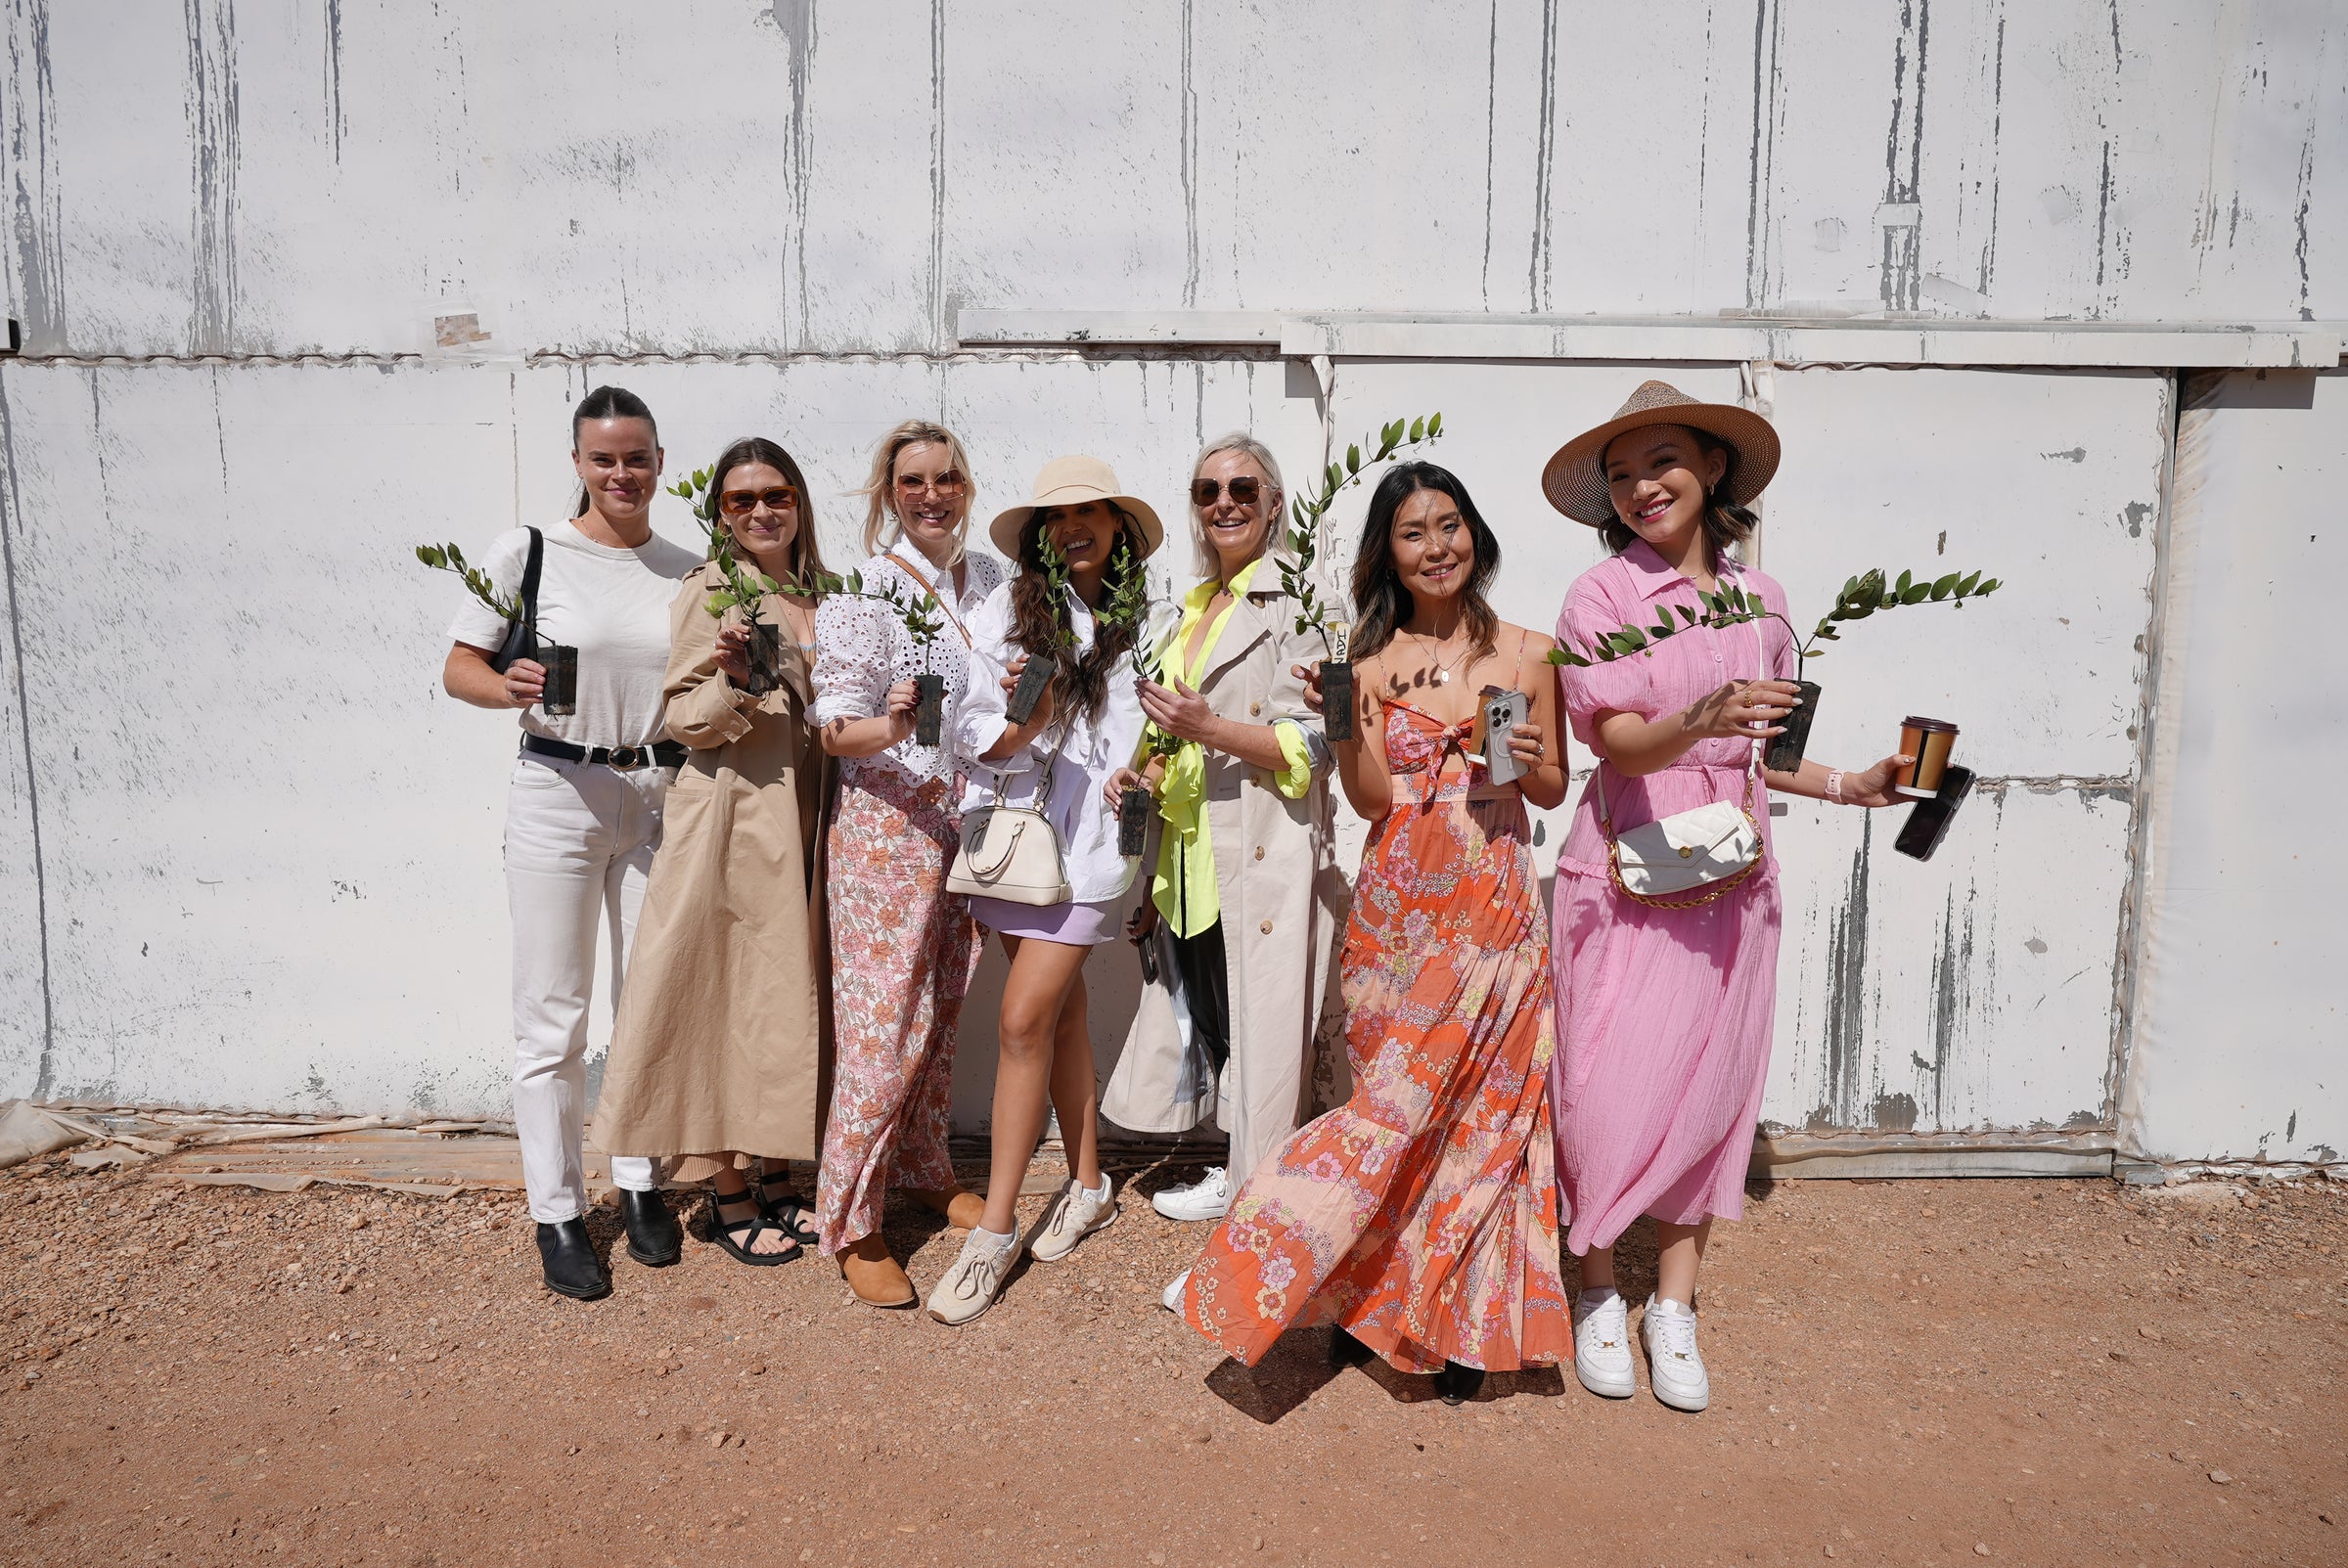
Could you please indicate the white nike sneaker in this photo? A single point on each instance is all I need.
(1076, 1213)
(977, 1278)
(1601, 1345)
(1207, 1199)
(1172, 1299)
(1674, 1370)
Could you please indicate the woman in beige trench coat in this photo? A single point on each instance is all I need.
(719, 1048)
(1239, 1005)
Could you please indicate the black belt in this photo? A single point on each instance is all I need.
(660, 755)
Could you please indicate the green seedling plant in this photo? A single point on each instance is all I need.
(923, 618)
(742, 590)
(1043, 662)
(1861, 597)
(449, 559)
(1129, 604)
(1296, 569)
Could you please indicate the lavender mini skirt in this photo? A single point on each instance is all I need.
(1076, 925)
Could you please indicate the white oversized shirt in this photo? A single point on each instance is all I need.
(1087, 751)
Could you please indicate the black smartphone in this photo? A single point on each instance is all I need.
(1928, 821)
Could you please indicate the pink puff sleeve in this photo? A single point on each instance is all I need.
(1623, 686)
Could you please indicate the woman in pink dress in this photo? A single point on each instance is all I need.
(1664, 1014)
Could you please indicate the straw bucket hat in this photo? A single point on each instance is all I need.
(1576, 485)
(1069, 482)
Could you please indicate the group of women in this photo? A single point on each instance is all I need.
(776, 860)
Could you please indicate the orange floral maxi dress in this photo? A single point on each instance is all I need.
(1421, 1215)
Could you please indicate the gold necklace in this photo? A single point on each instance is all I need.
(1434, 654)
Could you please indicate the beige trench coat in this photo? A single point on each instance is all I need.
(721, 1042)
(1283, 908)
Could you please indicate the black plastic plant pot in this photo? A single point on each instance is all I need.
(1785, 753)
(1029, 692)
(561, 696)
(1133, 819)
(1336, 698)
(766, 658)
(929, 708)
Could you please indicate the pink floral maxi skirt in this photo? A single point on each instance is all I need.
(1663, 1034)
(903, 950)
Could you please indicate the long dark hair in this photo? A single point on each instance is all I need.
(806, 556)
(607, 403)
(1725, 524)
(1080, 685)
(1382, 604)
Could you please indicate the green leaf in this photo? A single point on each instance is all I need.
(1353, 458)
(1944, 588)
(1686, 612)
(1813, 652)
(1901, 587)
(1434, 426)
(1915, 594)
(1964, 584)
(1989, 587)
(1629, 640)
(1419, 430)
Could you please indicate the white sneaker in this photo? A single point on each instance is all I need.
(1601, 1345)
(1674, 1370)
(970, 1286)
(1171, 1298)
(1207, 1199)
(1076, 1213)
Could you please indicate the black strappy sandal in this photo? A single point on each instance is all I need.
(786, 1211)
(740, 1239)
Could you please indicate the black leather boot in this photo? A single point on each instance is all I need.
(1346, 1351)
(572, 1267)
(654, 1238)
(1459, 1384)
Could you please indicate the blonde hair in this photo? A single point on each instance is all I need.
(1277, 538)
(881, 528)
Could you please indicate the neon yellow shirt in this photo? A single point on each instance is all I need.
(1184, 888)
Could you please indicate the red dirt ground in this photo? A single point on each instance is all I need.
(1918, 1372)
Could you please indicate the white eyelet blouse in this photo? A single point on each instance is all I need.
(862, 650)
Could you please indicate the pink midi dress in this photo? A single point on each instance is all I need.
(1663, 1015)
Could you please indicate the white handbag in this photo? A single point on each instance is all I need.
(1706, 852)
(1013, 852)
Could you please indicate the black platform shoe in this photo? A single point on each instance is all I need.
(654, 1238)
(572, 1267)
(1459, 1384)
(1346, 1351)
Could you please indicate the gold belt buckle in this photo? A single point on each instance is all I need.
(627, 759)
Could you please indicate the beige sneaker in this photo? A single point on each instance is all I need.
(970, 1286)
(1076, 1213)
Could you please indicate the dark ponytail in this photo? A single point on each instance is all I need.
(607, 403)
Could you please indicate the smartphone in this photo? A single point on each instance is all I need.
(1928, 820)
(1500, 713)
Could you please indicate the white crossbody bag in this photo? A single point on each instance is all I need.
(1013, 852)
(1690, 858)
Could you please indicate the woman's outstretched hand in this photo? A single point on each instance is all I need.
(1178, 710)
(1872, 786)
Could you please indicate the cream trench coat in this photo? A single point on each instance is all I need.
(721, 1040)
(1283, 908)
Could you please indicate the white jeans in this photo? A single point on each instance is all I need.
(579, 843)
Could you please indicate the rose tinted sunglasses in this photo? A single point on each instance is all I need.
(1244, 491)
(742, 503)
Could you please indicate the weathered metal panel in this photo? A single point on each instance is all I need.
(2237, 1025)
(331, 175)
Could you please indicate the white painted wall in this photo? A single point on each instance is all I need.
(249, 853)
(2236, 1047)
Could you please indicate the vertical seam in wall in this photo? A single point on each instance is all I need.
(2129, 960)
(11, 508)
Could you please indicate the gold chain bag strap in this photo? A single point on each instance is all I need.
(1705, 853)
(1013, 852)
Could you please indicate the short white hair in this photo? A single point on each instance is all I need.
(1279, 539)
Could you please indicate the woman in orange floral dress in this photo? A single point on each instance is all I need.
(1420, 1217)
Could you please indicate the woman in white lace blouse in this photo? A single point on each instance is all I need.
(903, 947)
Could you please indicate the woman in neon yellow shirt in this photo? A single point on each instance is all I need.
(1245, 904)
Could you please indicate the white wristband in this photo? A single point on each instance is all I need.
(1834, 786)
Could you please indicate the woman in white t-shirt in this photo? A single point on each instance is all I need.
(903, 947)
(583, 807)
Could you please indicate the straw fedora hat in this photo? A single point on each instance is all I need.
(1069, 482)
(1576, 485)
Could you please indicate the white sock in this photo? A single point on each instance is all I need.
(1597, 1295)
(1103, 1189)
(1001, 1239)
